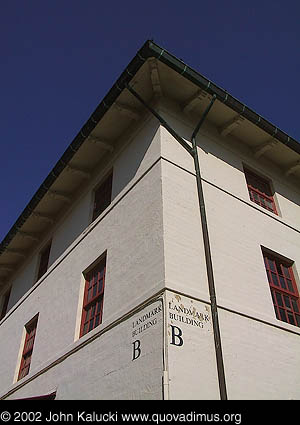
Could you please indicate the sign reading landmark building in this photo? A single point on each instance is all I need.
(191, 354)
(182, 312)
(144, 325)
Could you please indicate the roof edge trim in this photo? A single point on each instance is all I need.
(149, 49)
(223, 96)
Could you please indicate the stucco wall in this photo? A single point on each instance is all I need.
(131, 158)
(259, 350)
(131, 232)
(152, 235)
(261, 361)
(110, 366)
(190, 347)
(183, 242)
(221, 162)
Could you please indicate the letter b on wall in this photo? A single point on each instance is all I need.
(176, 336)
(136, 349)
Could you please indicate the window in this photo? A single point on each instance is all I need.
(93, 297)
(5, 303)
(44, 260)
(260, 191)
(102, 197)
(28, 347)
(283, 288)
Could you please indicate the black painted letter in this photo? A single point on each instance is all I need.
(177, 335)
(136, 349)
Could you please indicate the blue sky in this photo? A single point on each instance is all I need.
(59, 59)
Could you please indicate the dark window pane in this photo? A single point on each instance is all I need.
(287, 301)
(290, 285)
(98, 307)
(91, 325)
(262, 202)
(100, 286)
(94, 291)
(102, 197)
(286, 271)
(269, 204)
(298, 319)
(85, 328)
(44, 260)
(275, 279)
(291, 318)
(279, 299)
(273, 297)
(282, 282)
(295, 306)
(89, 294)
(282, 315)
(272, 265)
(29, 344)
(97, 320)
(269, 277)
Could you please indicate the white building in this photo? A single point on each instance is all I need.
(108, 277)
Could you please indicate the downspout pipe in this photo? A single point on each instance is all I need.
(208, 260)
(148, 50)
(193, 151)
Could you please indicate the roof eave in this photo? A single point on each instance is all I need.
(149, 49)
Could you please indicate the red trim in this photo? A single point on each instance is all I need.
(50, 396)
(28, 348)
(44, 260)
(102, 197)
(283, 287)
(93, 298)
(260, 191)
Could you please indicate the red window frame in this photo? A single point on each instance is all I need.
(93, 297)
(44, 260)
(260, 191)
(283, 287)
(5, 303)
(50, 396)
(28, 348)
(102, 196)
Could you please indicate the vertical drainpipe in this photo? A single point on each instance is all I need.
(208, 260)
(193, 151)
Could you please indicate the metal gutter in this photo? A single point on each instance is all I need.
(79, 139)
(205, 233)
(149, 49)
(223, 96)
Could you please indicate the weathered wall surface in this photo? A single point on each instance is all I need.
(191, 355)
(237, 234)
(125, 363)
(130, 231)
(259, 350)
(261, 361)
(152, 235)
(183, 242)
(130, 161)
